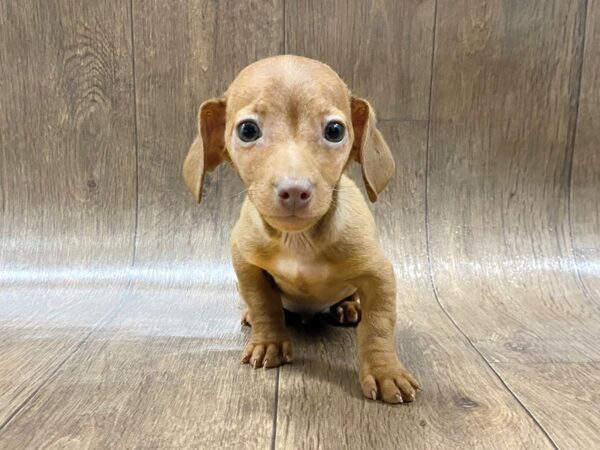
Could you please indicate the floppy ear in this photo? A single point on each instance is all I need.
(208, 149)
(370, 149)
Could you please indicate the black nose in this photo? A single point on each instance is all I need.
(294, 194)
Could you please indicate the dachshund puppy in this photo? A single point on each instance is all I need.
(305, 239)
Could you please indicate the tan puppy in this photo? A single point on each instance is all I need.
(305, 237)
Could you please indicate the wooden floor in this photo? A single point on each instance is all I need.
(119, 316)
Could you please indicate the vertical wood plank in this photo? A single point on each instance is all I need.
(585, 191)
(382, 49)
(504, 88)
(67, 167)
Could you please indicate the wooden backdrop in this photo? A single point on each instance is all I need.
(118, 308)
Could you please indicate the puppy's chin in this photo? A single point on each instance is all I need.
(291, 224)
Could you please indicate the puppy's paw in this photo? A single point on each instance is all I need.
(267, 354)
(346, 312)
(245, 320)
(391, 384)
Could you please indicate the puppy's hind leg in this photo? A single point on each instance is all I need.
(347, 312)
(245, 319)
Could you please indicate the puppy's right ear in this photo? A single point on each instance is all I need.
(208, 149)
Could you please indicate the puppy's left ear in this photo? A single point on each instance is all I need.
(208, 149)
(370, 149)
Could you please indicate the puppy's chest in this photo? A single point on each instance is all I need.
(301, 269)
(301, 272)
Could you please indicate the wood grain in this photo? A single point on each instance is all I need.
(462, 406)
(67, 183)
(564, 398)
(67, 167)
(164, 374)
(498, 178)
(585, 177)
(382, 49)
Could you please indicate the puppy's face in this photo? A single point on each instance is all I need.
(289, 125)
(289, 135)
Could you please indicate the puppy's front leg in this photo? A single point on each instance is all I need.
(381, 373)
(269, 344)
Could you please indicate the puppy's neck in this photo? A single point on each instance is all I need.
(302, 241)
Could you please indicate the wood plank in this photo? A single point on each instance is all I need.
(585, 179)
(564, 399)
(67, 182)
(499, 174)
(40, 328)
(67, 167)
(462, 406)
(382, 49)
(164, 374)
(320, 402)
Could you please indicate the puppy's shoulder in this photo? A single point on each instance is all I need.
(352, 213)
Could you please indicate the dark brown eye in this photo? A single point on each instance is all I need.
(334, 131)
(248, 131)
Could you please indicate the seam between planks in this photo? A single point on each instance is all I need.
(572, 140)
(100, 324)
(136, 140)
(276, 397)
(285, 43)
(428, 247)
(275, 408)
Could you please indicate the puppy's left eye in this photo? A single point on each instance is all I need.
(334, 131)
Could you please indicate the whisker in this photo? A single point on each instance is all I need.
(241, 192)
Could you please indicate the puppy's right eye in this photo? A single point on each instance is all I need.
(248, 131)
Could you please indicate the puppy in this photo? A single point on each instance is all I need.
(305, 239)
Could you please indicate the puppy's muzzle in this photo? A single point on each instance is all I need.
(295, 194)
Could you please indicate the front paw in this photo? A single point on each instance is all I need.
(267, 354)
(391, 383)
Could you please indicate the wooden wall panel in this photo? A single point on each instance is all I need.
(505, 85)
(585, 178)
(382, 49)
(67, 134)
(504, 104)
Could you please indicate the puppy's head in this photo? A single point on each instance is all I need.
(289, 126)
